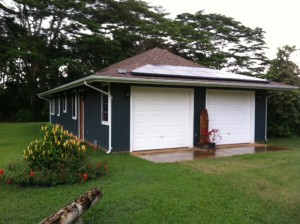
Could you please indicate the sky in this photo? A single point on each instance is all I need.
(279, 19)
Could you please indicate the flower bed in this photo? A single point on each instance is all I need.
(58, 158)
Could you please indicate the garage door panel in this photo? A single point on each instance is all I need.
(164, 115)
(232, 113)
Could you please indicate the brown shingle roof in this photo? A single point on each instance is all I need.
(155, 56)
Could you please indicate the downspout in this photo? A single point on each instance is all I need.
(266, 118)
(109, 103)
(49, 101)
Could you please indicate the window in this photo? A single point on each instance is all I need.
(58, 105)
(52, 106)
(74, 105)
(105, 105)
(64, 102)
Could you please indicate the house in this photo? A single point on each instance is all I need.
(153, 101)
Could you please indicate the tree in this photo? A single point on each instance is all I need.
(284, 107)
(48, 43)
(220, 42)
(34, 34)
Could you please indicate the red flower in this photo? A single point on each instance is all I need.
(1, 172)
(106, 167)
(8, 181)
(32, 173)
(85, 176)
(99, 166)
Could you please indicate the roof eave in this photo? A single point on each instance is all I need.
(67, 86)
(93, 78)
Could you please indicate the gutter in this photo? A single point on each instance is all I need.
(109, 111)
(49, 101)
(203, 83)
(266, 118)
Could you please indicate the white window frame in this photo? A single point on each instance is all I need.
(74, 105)
(65, 104)
(52, 106)
(58, 105)
(105, 122)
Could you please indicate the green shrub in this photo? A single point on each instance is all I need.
(23, 115)
(58, 149)
(58, 158)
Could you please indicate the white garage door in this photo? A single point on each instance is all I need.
(232, 112)
(161, 118)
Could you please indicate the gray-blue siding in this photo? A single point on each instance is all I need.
(260, 115)
(95, 131)
(65, 119)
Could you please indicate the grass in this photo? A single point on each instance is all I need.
(260, 188)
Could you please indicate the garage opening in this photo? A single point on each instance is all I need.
(161, 118)
(233, 113)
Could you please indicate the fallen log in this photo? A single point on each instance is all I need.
(71, 214)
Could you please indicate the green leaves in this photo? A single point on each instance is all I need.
(222, 42)
(284, 107)
(47, 43)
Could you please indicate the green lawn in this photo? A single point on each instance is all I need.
(261, 188)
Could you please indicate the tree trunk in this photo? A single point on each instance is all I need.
(72, 213)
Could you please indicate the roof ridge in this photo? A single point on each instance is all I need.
(153, 56)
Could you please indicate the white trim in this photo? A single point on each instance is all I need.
(108, 106)
(74, 107)
(109, 114)
(65, 102)
(52, 106)
(204, 83)
(252, 122)
(58, 105)
(191, 112)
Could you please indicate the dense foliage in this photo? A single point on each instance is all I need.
(284, 106)
(48, 43)
(57, 158)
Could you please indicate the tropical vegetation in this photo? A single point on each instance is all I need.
(58, 157)
(257, 188)
(48, 43)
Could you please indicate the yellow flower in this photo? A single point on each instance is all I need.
(83, 148)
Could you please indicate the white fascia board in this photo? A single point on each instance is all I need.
(245, 85)
(93, 78)
(70, 85)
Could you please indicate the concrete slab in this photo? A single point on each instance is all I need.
(186, 154)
